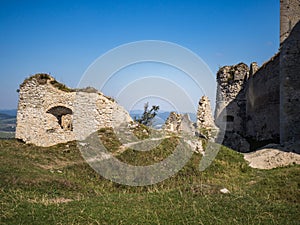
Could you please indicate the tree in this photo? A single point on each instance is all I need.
(148, 115)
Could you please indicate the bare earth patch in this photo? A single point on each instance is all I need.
(46, 201)
(269, 158)
(58, 164)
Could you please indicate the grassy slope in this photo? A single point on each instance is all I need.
(55, 186)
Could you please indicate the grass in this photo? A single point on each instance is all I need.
(142, 158)
(55, 186)
(43, 78)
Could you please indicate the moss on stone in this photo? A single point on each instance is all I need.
(44, 78)
(61, 86)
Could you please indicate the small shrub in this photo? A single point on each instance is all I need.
(60, 86)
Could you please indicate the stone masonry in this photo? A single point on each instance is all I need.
(182, 123)
(258, 106)
(289, 17)
(231, 105)
(205, 121)
(50, 113)
(179, 123)
(290, 87)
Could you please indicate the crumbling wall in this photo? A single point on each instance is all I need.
(230, 112)
(267, 104)
(248, 104)
(204, 115)
(290, 87)
(264, 107)
(262, 97)
(204, 126)
(173, 122)
(205, 121)
(48, 112)
(180, 123)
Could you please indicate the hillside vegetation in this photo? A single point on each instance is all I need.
(56, 186)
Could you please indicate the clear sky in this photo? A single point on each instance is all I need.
(64, 37)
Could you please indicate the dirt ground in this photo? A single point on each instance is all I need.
(271, 156)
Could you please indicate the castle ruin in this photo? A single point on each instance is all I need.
(46, 112)
(262, 105)
(204, 126)
(254, 106)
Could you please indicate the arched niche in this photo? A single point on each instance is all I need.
(63, 115)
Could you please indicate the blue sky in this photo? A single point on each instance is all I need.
(64, 37)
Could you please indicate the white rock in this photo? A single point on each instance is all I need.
(224, 191)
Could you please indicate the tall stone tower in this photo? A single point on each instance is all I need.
(230, 112)
(290, 71)
(289, 16)
(231, 101)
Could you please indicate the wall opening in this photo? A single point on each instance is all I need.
(228, 118)
(63, 115)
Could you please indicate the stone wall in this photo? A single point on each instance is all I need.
(290, 87)
(179, 123)
(173, 122)
(204, 115)
(245, 98)
(262, 103)
(50, 113)
(204, 126)
(230, 112)
(263, 107)
(289, 17)
(205, 121)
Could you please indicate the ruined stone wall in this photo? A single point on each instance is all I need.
(173, 121)
(264, 107)
(262, 98)
(230, 112)
(36, 126)
(205, 119)
(267, 105)
(248, 104)
(48, 116)
(290, 87)
(204, 126)
(289, 17)
(180, 123)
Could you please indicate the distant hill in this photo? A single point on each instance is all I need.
(5, 116)
(10, 112)
(7, 121)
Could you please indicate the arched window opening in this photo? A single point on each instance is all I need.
(63, 115)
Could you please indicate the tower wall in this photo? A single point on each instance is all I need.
(230, 109)
(290, 88)
(289, 17)
(262, 96)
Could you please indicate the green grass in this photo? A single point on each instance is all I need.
(142, 158)
(55, 186)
